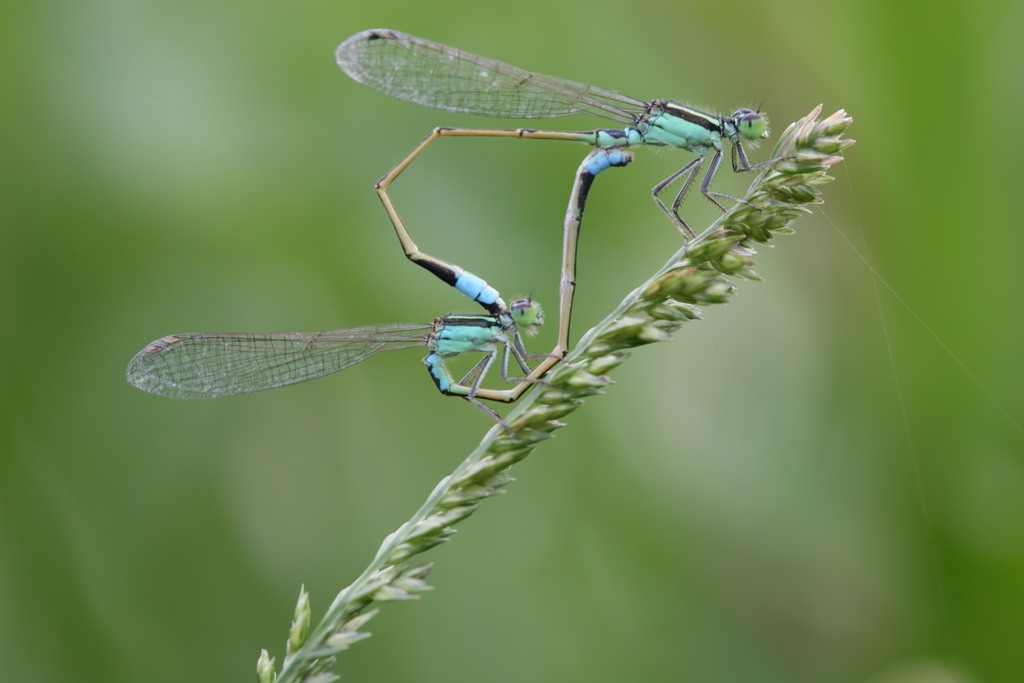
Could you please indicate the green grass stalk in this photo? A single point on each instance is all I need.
(704, 272)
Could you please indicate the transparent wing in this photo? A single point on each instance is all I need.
(442, 77)
(224, 364)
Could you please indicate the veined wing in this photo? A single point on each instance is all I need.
(434, 75)
(224, 364)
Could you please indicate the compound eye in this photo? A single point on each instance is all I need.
(526, 313)
(751, 124)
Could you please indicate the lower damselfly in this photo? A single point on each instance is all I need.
(211, 365)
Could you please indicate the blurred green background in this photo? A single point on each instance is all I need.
(811, 485)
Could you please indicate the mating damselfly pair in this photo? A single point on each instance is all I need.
(442, 77)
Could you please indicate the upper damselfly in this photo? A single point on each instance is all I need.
(435, 75)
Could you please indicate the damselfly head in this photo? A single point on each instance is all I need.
(752, 125)
(527, 315)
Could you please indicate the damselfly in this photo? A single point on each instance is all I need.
(434, 75)
(226, 364)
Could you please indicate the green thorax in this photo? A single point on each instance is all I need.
(676, 125)
(465, 332)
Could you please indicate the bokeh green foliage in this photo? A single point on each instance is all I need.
(203, 166)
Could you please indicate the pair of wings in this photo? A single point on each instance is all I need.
(225, 364)
(434, 75)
